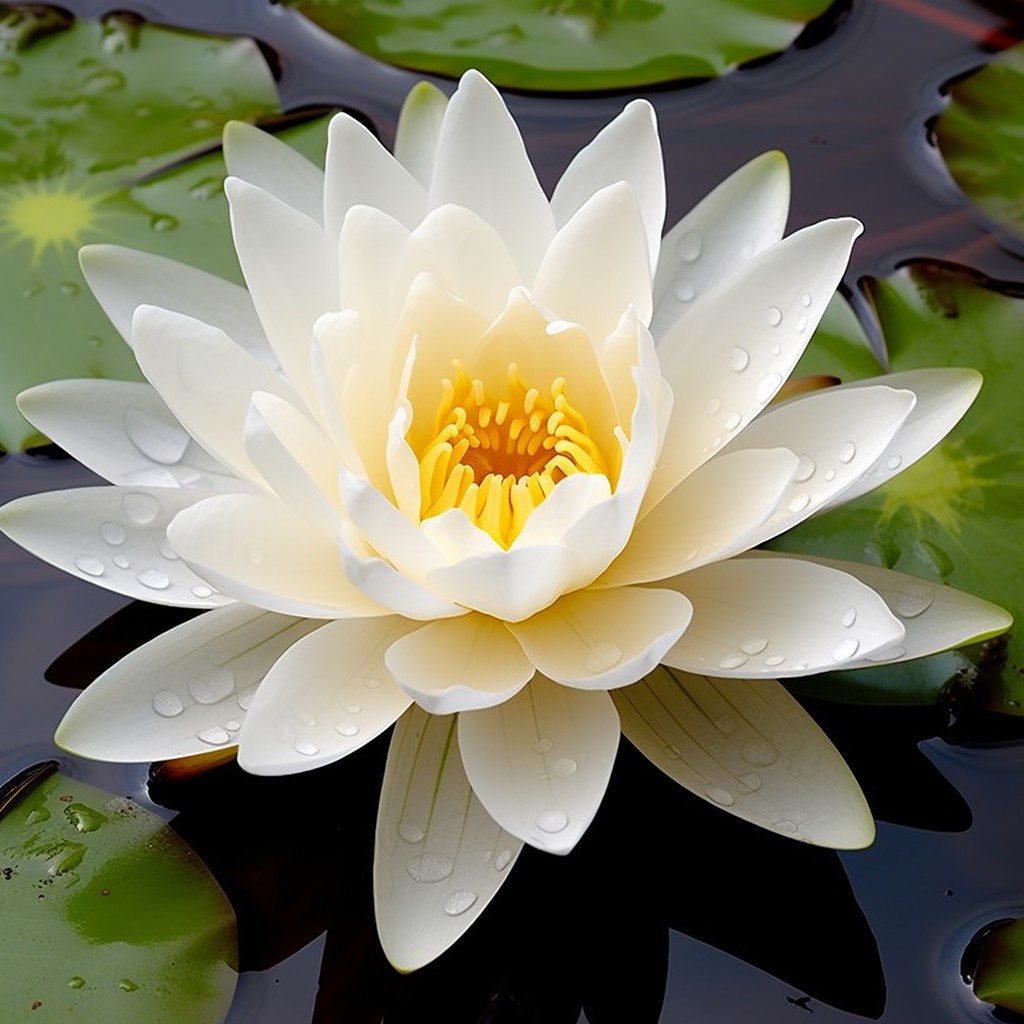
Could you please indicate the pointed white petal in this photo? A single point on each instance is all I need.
(328, 695)
(748, 747)
(261, 160)
(419, 129)
(439, 857)
(184, 693)
(481, 164)
(540, 762)
(744, 215)
(459, 664)
(627, 149)
(727, 358)
(600, 639)
(115, 537)
(766, 617)
(123, 431)
(256, 549)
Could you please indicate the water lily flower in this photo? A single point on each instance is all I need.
(492, 466)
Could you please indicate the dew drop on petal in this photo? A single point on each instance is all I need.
(726, 724)
(353, 709)
(804, 469)
(213, 687)
(167, 551)
(90, 566)
(410, 832)
(542, 745)
(232, 725)
(714, 406)
(502, 860)
(347, 729)
(154, 579)
(304, 717)
(113, 533)
(215, 737)
(849, 617)
(915, 599)
(688, 246)
(167, 703)
(122, 561)
(306, 749)
(731, 661)
(672, 753)
(751, 780)
(459, 902)
(805, 299)
(202, 591)
(776, 350)
(846, 649)
(684, 291)
(774, 660)
(785, 826)
(753, 644)
(774, 316)
(759, 752)
(739, 359)
(429, 867)
(371, 684)
(798, 502)
(830, 475)
(244, 699)
(140, 508)
(158, 440)
(893, 463)
(768, 385)
(734, 420)
(801, 325)
(563, 767)
(848, 452)
(692, 554)
(553, 821)
(602, 657)
(720, 796)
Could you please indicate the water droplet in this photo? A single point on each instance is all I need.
(157, 439)
(798, 502)
(83, 818)
(684, 291)
(915, 599)
(846, 649)
(232, 725)
(830, 475)
(371, 684)
(167, 551)
(201, 591)
(244, 699)
(805, 299)
(688, 246)
(774, 316)
(752, 781)
(459, 902)
(734, 420)
(347, 729)
(714, 406)
(410, 832)
(103, 81)
(893, 463)
(849, 617)
(542, 745)
(353, 709)
(69, 288)
(163, 222)
(429, 867)
(167, 703)
(90, 566)
(154, 579)
(848, 452)
(206, 188)
(720, 796)
(602, 657)
(753, 644)
(113, 533)
(215, 737)
(212, 687)
(776, 350)
(76, 982)
(769, 384)
(774, 660)
(502, 860)
(805, 469)
(37, 815)
(563, 767)
(304, 717)
(739, 359)
(672, 753)
(140, 508)
(552, 821)
(127, 985)
(759, 752)
(306, 749)
(801, 325)
(726, 724)
(732, 661)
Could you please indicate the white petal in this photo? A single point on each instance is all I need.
(597, 265)
(540, 762)
(184, 693)
(744, 215)
(123, 431)
(291, 269)
(403, 466)
(328, 695)
(439, 857)
(749, 748)
(481, 164)
(124, 279)
(115, 537)
(459, 664)
(360, 171)
(709, 516)
(254, 548)
(601, 639)
(759, 617)
(419, 128)
(936, 617)
(730, 354)
(626, 149)
(206, 380)
(261, 160)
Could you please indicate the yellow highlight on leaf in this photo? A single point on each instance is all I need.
(47, 215)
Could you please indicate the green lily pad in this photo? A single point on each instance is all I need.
(999, 974)
(567, 44)
(108, 915)
(981, 137)
(955, 516)
(99, 128)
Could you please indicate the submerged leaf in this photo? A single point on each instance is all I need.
(999, 976)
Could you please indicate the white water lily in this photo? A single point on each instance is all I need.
(477, 461)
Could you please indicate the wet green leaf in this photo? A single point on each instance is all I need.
(981, 137)
(999, 976)
(567, 44)
(99, 128)
(108, 916)
(955, 516)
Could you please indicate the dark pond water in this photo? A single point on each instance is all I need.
(668, 910)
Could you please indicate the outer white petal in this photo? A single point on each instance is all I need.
(261, 160)
(291, 269)
(744, 215)
(123, 431)
(749, 748)
(729, 356)
(206, 380)
(711, 515)
(936, 617)
(626, 149)
(184, 693)
(760, 617)
(328, 695)
(459, 664)
(597, 266)
(115, 537)
(540, 762)
(256, 549)
(439, 857)
(481, 164)
(124, 279)
(943, 396)
(360, 171)
(419, 129)
(601, 639)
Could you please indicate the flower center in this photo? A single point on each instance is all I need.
(497, 459)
